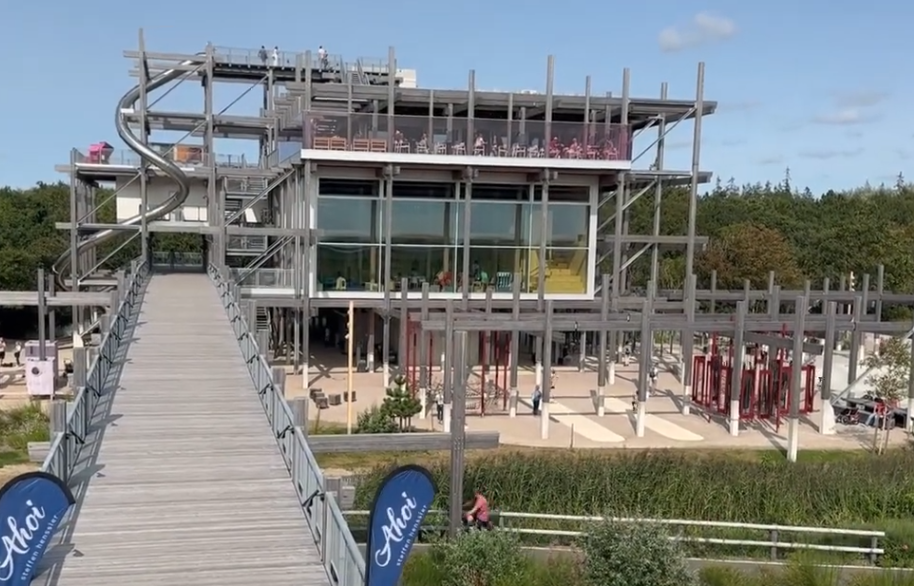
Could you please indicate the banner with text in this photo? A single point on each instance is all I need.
(399, 506)
(31, 508)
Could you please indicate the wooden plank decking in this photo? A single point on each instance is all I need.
(189, 487)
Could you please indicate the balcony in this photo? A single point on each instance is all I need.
(499, 141)
(184, 155)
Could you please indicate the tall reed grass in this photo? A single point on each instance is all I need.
(857, 492)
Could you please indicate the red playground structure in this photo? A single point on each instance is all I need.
(494, 359)
(764, 383)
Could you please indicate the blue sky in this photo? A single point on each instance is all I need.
(820, 87)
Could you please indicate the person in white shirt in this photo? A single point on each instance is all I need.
(2, 351)
(17, 352)
(275, 56)
(322, 57)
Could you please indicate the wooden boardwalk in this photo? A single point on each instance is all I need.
(188, 487)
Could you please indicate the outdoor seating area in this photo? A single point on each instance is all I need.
(458, 137)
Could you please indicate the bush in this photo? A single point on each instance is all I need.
(481, 558)
(633, 554)
(21, 425)
(375, 420)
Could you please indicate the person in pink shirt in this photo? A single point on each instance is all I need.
(479, 513)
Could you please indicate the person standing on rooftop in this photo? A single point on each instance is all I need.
(262, 53)
(276, 56)
(322, 57)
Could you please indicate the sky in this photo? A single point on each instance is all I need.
(819, 87)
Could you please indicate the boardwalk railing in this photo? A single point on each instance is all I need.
(775, 538)
(63, 452)
(341, 556)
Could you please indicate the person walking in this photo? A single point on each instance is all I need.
(276, 56)
(536, 399)
(2, 351)
(17, 352)
(262, 54)
(439, 406)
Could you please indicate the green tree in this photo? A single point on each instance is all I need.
(889, 376)
(400, 404)
(750, 251)
(396, 412)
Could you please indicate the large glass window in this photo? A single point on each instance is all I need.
(349, 220)
(497, 268)
(566, 271)
(439, 266)
(349, 267)
(425, 223)
(498, 224)
(568, 225)
(349, 187)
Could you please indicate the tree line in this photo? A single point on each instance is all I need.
(29, 238)
(754, 229)
(763, 227)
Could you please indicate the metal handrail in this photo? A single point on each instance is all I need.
(773, 543)
(63, 453)
(341, 557)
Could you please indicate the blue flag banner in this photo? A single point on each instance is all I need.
(31, 508)
(400, 505)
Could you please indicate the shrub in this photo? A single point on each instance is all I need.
(633, 554)
(481, 558)
(375, 420)
(21, 425)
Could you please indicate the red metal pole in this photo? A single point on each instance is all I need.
(431, 355)
(405, 359)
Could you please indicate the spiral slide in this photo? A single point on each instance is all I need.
(126, 104)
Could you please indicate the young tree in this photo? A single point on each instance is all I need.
(400, 404)
(889, 375)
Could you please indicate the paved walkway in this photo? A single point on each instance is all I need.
(188, 486)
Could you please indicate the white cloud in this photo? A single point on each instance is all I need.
(845, 117)
(851, 108)
(775, 160)
(861, 99)
(831, 154)
(704, 28)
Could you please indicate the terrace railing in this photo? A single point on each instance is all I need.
(341, 556)
(65, 446)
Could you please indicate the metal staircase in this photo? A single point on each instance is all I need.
(264, 323)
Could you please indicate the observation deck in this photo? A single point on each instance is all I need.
(439, 140)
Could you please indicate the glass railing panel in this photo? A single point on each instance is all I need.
(425, 135)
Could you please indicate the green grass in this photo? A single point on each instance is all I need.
(11, 458)
(19, 426)
(359, 462)
(823, 489)
(421, 570)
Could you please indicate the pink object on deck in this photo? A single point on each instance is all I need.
(100, 152)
